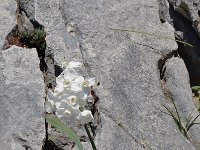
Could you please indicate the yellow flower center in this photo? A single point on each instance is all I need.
(66, 82)
(67, 113)
(72, 100)
(85, 83)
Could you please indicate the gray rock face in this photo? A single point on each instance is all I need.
(21, 100)
(28, 6)
(130, 106)
(184, 16)
(8, 8)
(178, 90)
(128, 66)
(65, 47)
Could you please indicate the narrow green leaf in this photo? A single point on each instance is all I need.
(188, 121)
(177, 122)
(179, 118)
(51, 119)
(193, 122)
(151, 34)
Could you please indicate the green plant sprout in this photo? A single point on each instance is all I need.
(197, 93)
(151, 34)
(183, 128)
(34, 38)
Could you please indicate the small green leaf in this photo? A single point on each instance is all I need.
(51, 119)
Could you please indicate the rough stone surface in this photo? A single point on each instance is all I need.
(184, 16)
(8, 8)
(21, 100)
(65, 47)
(28, 6)
(127, 65)
(178, 89)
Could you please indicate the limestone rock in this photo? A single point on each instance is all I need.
(184, 17)
(130, 105)
(21, 100)
(7, 23)
(180, 92)
(128, 65)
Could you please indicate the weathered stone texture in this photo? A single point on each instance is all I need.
(179, 91)
(21, 100)
(125, 63)
(8, 8)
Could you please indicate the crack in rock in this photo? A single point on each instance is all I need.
(171, 68)
(162, 61)
(179, 16)
(26, 24)
(73, 30)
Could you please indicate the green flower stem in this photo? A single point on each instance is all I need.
(90, 137)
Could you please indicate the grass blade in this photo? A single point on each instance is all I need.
(178, 123)
(51, 119)
(188, 122)
(192, 123)
(179, 119)
(151, 34)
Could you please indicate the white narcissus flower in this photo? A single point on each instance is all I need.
(69, 79)
(68, 111)
(66, 94)
(53, 103)
(91, 81)
(64, 80)
(86, 85)
(80, 97)
(76, 84)
(70, 95)
(72, 100)
(85, 117)
(49, 106)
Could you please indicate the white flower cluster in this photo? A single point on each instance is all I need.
(70, 95)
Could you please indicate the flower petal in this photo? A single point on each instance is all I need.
(49, 106)
(91, 81)
(86, 117)
(76, 84)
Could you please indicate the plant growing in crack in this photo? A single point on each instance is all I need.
(68, 102)
(34, 38)
(183, 128)
(196, 90)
